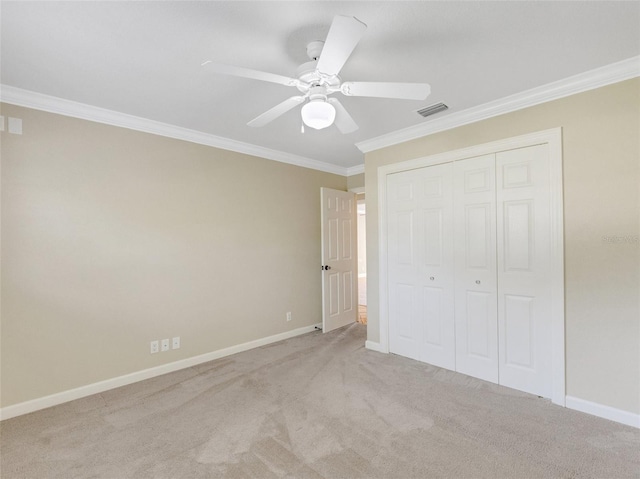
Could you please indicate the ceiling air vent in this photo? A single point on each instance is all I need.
(433, 109)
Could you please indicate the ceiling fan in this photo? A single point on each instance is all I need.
(318, 79)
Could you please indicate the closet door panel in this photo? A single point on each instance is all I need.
(479, 238)
(523, 221)
(435, 278)
(475, 267)
(404, 327)
(478, 318)
(421, 323)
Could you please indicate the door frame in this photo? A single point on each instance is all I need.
(552, 138)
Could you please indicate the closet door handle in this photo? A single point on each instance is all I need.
(477, 281)
(432, 278)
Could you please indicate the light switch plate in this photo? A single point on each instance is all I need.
(15, 126)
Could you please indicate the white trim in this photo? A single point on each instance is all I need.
(355, 170)
(554, 142)
(60, 106)
(599, 77)
(373, 346)
(95, 388)
(606, 412)
(551, 137)
(357, 190)
(383, 273)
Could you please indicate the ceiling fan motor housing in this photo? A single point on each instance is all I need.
(318, 93)
(311, 78)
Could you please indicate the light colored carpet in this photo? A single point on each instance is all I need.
(315, 406)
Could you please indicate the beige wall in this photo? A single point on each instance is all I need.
(112, 238)
(601, 154)
(355, 181)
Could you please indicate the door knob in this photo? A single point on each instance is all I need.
(477, 281)
(327, 267)
(432, 278)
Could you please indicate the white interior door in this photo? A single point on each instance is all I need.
(474, 234)
(524, 268)
(420, 265)
(339, 259)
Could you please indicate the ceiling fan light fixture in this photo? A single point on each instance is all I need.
(318, 114)
(318, 78)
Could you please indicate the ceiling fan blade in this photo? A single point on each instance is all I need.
(276, 111)
(344, 35)
(343, 120)
(248, 73)
(405, 91)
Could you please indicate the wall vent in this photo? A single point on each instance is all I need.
(433, 109)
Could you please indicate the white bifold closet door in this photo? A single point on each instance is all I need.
(476, 289)
(421, 265)
(469, 267)
(524, 268)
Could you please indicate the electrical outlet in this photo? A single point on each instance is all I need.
(175, 344)
(155, 347)
(164, 345)
(289, 316)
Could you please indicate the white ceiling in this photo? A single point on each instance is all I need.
(143, 58)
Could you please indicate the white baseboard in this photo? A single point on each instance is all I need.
(606, 412)
(373, 346)
(95, 388)
(595, 409)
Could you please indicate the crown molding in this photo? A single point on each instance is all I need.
(60, 106)
(592, 79)
(355, 170)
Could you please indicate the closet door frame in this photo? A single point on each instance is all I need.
(552, 138)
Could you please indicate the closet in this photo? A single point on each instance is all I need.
(469, 266)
